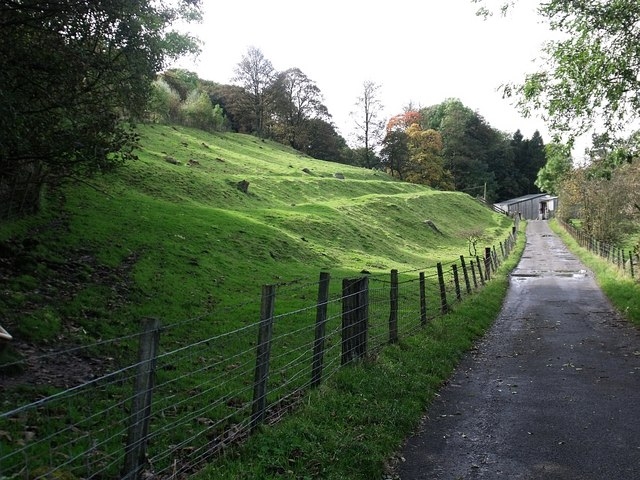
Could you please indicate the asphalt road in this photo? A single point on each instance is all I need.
(551, 392)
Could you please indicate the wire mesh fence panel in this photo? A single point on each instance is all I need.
(76, 432)
(409, 298)
(378, 313)
(202, 398)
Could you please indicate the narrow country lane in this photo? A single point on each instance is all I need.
(551, 392)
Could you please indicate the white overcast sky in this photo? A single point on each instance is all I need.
(419, 51)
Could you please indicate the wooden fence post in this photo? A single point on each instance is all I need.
(393, 313)
(496, 260)
(467, 283)
(263, 352)
(473, 273)
(135, 450)
(444, 307)
(487, 263)
(631, 264)
(456, 281)
(423, 300)
(502, 251)
(321, 321)
(355, 318)
(479, 263)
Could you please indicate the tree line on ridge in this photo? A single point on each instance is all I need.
(446, 146)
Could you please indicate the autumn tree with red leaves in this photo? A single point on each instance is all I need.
(414, 154)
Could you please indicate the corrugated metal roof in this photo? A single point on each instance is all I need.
(523, 198)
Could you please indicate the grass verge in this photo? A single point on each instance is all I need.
(354, 423)
(622, 291)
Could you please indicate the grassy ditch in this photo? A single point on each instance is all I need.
(622, 291)
(351, 426)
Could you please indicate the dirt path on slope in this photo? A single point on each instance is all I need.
(552, 391)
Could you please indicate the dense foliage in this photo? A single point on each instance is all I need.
(556, 169)
(446, 146)
(449, 146)
(605, 193)
(72, 74)
(285, 106)
(589, 80)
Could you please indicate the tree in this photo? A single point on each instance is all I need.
(363, 157)
(426, 164)
(503, 163)
(468, 144)
(71, 74)
(403, 120)
(515, 164)
(414, 154)
(181, 81)
(531, 161)
(369, 126)
(590, 77)
(296, 99)
(255, 74)
(605, 194)
(395, 152)
(555, 170)
(608, 154)
(324, 142)
(605, 204)
(235, 102)
(164, 104)
(199, 112)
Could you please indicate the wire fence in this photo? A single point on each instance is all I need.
(627, 261)
(172, 407)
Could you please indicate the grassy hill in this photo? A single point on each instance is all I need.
(172, 236)
(174, 240)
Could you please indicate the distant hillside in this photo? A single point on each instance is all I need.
(174, 234)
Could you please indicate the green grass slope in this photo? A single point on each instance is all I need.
(175, 240)
(172, 236)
